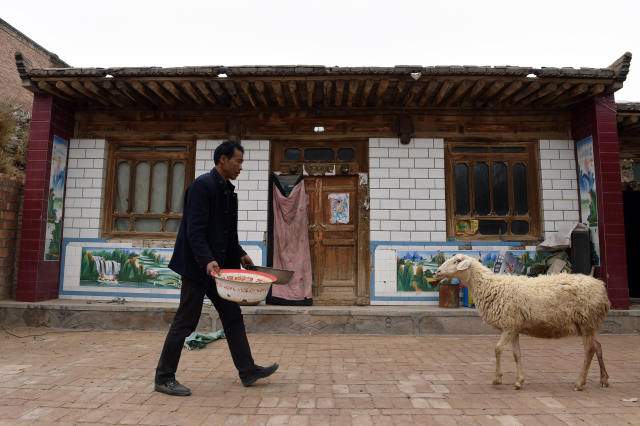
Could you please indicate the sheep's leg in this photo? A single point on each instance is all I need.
(604, 377)
(515, 345)
(504, 339)
(589, 350)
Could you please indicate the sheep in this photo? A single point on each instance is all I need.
(550, 306)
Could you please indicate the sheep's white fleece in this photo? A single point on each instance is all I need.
(548, 306)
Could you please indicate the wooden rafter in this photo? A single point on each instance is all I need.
(43, 85)
(219, 92)
(205, 91)
(381, 91)
(413, 94)
(509, 91)
(157, 90)
(353, 90)
(429, 92)
(78, 87)
(140, 88)
(172, 89)
(492, 91)
(230, 87)
(444, 90)
(93, 88)
(187, 87)
(366, 91)
(124, 89)
(244, 85)
(462, 88)
(311, 86)
(531, 88)
(276, 86)
(261, 92)
(339, 92)
(549, 88)
(293, 90)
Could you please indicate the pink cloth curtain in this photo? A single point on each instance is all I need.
(291, 243)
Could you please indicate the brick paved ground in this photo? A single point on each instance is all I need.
(106, 377)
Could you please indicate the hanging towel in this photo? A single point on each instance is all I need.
(291, 246)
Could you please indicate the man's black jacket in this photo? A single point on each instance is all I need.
(209, 228)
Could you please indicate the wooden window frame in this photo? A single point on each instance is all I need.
(115, 155)
(530, 157)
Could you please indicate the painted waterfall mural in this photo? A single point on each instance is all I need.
(53, 236)
(128, 267)
(416, 269)
(588, 194)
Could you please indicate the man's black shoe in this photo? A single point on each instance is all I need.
(258, 373)
(172, 387)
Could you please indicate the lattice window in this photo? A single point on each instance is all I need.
(146, 182)
(492, 191)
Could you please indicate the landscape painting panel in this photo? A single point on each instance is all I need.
(588, 194)
(55, 199)
(416, 269)
(128, 267)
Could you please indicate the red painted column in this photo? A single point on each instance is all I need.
(38, 279)
(597, 118)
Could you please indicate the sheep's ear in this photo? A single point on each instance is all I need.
(463, 265)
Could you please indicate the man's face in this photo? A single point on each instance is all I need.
(232, 167)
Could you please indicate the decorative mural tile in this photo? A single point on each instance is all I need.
(416, 268)
(55, 205)
(588, 193)
(128, 267)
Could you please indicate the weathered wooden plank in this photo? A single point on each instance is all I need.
(293, 90)
(311, 85)
(366, 92)
(230, 87)
(220, 94)
(413, 94)
(353, 90)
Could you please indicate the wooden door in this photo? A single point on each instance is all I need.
(333, 237)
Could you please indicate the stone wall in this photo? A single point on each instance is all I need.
(10, 191)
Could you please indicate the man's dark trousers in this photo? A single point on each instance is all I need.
(186, 320)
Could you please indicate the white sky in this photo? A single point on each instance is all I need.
(87, 33)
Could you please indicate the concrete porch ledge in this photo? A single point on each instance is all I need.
(402, 320)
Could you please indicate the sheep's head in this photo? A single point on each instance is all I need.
(456, 267)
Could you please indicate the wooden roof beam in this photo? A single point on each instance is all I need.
(91, 86)
(173, 90)
(157, 90)
(547, 90)
(230, 87)
(353, 90)
(366, 92)
(219, 92)
(110, 87)
(462, 88)
(443, 92)
(491, 92)
(261, 92)
(531, 88)
(187, 87)
(412, 95)
(276, 86)
(124, 89)
(46, 87)
(78, 87)
(428, 93)
(293, 90)
(140, 88)
(339, 92)
(311, 86)
(580, 95)
(203, 90)
(509, 91)
(558, 94)
(244, 85)
(381, 91)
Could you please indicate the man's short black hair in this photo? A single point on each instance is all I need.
(226, 148)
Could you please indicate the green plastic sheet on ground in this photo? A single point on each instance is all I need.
(198, 340)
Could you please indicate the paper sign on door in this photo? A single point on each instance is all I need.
(339, 204)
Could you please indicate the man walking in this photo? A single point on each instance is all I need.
(207, 241)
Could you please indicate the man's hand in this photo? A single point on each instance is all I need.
(246, 261)
(213, 268)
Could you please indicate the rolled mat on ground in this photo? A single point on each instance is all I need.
(198, 340)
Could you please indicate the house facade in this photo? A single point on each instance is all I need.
(425, 162)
